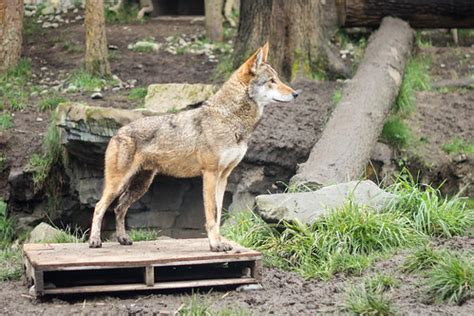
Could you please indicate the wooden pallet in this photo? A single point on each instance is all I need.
(146, 265)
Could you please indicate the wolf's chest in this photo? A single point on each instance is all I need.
(231, 156)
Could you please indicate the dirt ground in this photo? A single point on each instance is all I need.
(283, 293)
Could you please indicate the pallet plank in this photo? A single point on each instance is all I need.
(51, 256)
(149, 275)
(156, 286)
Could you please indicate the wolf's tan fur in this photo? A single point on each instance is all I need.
(209, 141)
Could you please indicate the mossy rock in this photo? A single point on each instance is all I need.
(173, 97)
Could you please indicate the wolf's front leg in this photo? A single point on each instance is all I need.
(210, 183)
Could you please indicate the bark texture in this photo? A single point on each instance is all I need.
(419, 13)
(299, 45)
(214, 19)
(11, 25)
(96, 61)
(342, 152)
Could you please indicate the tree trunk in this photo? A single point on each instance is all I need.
(419, 13)
(254, 28)
(214, 20)
(96, 61)
(342, 152)
(299, 46)
(11, 25)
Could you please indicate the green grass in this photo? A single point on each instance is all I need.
(86, 82)
(428, 211)
(138, 94)
(40, 164)
(422, 259)
(14, 88)
(10, 265)
(7, 227)
(368, 298)
(457, 146)
(198, 307)
(6, 121)
(143, 234)
(416, 78)
(423, 41)
(66, 235)
(347, 240)
(147, 45)
(351, 238)
(396, 132)
(126, 15)
(50, 103)
(337, 96)
(452, 280)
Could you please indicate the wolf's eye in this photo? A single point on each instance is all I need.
(273, 80)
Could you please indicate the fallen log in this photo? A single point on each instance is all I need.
(342, 152)
(419, 13)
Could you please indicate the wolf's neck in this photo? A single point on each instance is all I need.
(233, 101)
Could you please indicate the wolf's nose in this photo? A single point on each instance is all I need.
(295, 94)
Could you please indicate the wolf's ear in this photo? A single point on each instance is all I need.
(265, 52)
(250, 66)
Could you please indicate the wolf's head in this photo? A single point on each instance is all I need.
(264, 85)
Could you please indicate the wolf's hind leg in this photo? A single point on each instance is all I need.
(138, 186)
(119, 170)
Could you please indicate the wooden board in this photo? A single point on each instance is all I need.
(137, 267)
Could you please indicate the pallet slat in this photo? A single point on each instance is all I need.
(141, 287)
(51, 256)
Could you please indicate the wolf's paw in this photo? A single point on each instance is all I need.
(124, 240)
(95, 242)
(221, 246)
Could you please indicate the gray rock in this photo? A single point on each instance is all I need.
(307, 207)
(21, 185)
(166, 97)
(43, 233)
(97, 96)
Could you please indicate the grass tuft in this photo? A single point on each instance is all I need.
(368, 298)
(457, 146)
(337, 96)
(6, 121)
(40, 164)
(416, 78)
(197, 307)
(126, 15)
(7, 227)
(67, 235)
(452, 280)
(10, 265)
(86, 82)
(422, 259)
(143, 234)
(14, 86)
(396, 132)
(50, 103)
(138, 94)
(347, 240)
(428, 212)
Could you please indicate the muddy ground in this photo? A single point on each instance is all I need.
(283, 293)
(439, 117)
